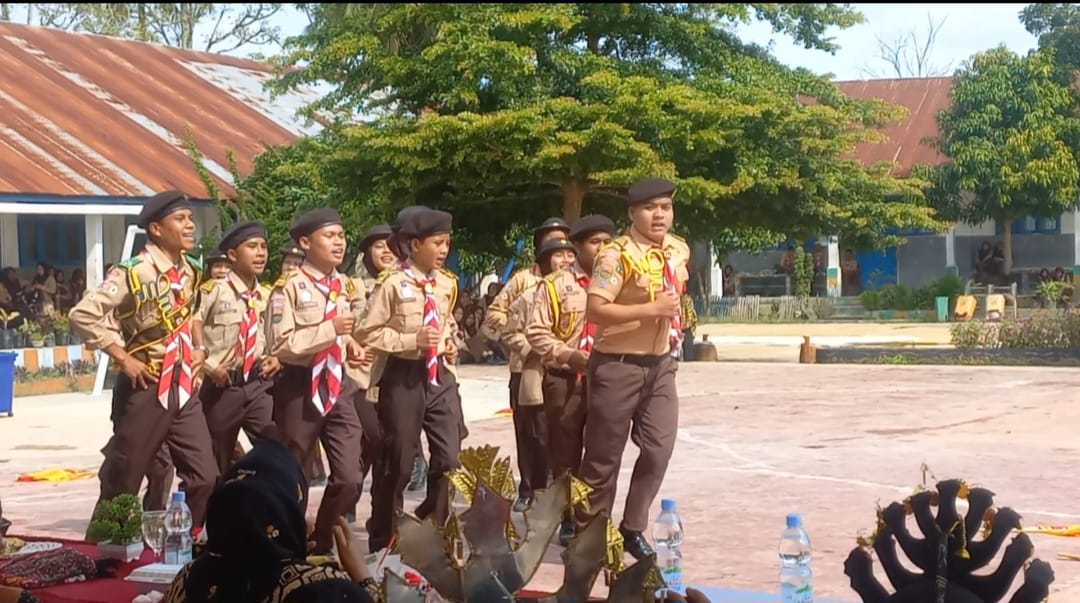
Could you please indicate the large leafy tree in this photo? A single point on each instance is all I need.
(1057, 26)
(507, 113)
(1012, 140)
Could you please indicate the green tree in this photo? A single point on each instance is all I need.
(507, 113)
(1057, 26)
(1012, 142)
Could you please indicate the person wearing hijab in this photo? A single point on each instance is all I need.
(256, 549)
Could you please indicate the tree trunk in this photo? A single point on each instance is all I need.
(573, 199)
(1007, 239)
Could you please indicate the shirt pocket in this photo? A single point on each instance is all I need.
(309, 317)
(412, 314)
(571, 311)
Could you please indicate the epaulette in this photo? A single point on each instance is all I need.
(208, 286)
(350, 286)
(194, 261)
(553, 276)
(617, 243)
(280, 282)
(130, 263)
(385, 274)
(677, 238)
(449, 273)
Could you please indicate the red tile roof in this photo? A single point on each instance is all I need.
(93, 115)
(923, 97)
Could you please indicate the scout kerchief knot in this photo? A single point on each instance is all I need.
(329, 360)
(249, 330)
(661, 271)
(431, 319)
(178, 349)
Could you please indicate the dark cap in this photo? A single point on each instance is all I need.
(550, 246)
(240, 232)
(648, 189)
(586, 225)
(291, 248)
(216, 256)
(552, 224)
(375, 233)
(161, 205)
(403, 215)
(309, 222)
(426, 223)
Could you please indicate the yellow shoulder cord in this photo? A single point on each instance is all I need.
(563, 334)
(651, 265)
(134, 284)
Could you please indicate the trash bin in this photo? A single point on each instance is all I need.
(7, 382)
(942, 309)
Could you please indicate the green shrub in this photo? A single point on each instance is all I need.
(1045, 330)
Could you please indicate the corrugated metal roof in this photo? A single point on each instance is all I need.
(923, 97)
(93, 115)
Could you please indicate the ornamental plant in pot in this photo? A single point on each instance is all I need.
(117, 528)
(61, 327)
(7, 334)
(32, 330)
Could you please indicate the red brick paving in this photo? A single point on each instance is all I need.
(757, 441)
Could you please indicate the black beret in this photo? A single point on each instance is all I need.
(240, 232)
(426, 223)
(161, 205)
(649, 189)
(291, 248)
(376, 233)
(587, 225)
(550, 246)
(217, 256)
(403, 215)
(309, 222)
(552, 224)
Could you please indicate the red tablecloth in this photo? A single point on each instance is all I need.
(101, 590)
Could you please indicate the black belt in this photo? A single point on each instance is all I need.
(236, 376)
(635, 359)
(561, 373)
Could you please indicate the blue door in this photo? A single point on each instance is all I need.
(877, 268)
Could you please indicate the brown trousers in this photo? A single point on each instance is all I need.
(564, 405)
(159, 480)
(407, 405)
(250, 406)
(301, 426)
(140, 427)
(530, 433)
(631, 396)
(368, 413)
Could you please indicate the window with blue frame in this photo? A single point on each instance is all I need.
(1033, 225)
(55, 240)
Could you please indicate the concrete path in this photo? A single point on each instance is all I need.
(756, 441)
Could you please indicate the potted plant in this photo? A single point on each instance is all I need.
(117, 528)
(31, 330)
(61, 327)
(7, 334)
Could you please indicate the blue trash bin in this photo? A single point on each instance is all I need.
(7, 382)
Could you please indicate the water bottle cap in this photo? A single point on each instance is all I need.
(667, 504)
(794, 520)
(179, 496)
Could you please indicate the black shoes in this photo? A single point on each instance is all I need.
(635, 544)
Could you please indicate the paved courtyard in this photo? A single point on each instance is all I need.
(757, 441)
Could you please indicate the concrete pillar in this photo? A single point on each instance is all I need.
(95, 251)
(950, 252)
(832, 272)
(9, 240)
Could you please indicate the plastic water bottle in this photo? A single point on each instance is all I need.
(178, 531)
(796, 577)
(668, 536)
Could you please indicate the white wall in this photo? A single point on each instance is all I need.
(9, 240)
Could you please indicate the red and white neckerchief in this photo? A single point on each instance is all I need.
(431, 319)
(329, 360)
(249, 329)
(588, 330)
(671, 283)
(176, 365)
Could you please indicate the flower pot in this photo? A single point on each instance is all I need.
(49, 340)
(38, 343)
(74, 339)
(121, 552)
(7, 341)
(62, 339)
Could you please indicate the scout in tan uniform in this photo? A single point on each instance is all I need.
(530, 423)
(239, 373)
(559, 334)
(217, 265)
(634, 301)
(313, 398)
(141, 317)
(376, 257)
(406, 321)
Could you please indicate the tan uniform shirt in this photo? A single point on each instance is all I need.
(498, 313)
(558, 317)
(624, 274)
(530, 392)
(134, 306)
(364, 285)
(298, 325)
(221, 313)
(275, 309)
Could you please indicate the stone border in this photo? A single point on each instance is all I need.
(942, 355)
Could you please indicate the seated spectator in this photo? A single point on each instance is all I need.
(258, 541)
(787, 261)
(729, 281)
(850, 275)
